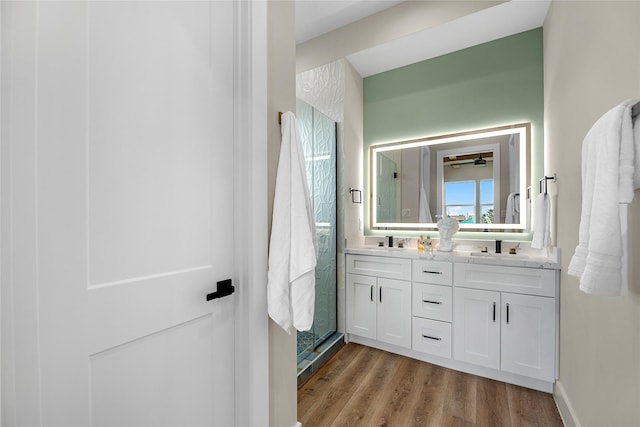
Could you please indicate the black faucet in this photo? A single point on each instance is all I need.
(390, 241)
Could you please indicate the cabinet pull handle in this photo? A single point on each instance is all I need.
(507, 313)
(431, 272)
(494, 312)
(431, 338)
(432, 302)
(380, 292)
(371, 293)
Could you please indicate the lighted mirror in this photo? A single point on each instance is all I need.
(478, 177)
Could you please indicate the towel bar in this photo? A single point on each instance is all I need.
(543, 182)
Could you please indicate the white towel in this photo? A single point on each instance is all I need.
(293, 245)
(608, 154)
(512, 213)
(541, 228)
(424, 213)
(636, 140)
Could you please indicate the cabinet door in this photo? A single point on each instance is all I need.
(361, 305)
(476, 327)
(528, 336)
(394, 312)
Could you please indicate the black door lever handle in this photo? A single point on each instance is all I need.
(223, 289)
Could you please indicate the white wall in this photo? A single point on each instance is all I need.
(350, 173)
(281, 97)
(591, 63)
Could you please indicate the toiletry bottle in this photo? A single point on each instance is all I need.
(429, 244)
(420, 243)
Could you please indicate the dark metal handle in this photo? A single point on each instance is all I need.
(494, 311)
(223, 289)
(431, 338)
(507, 313)
(431, 272)
(380, 292)
(371, 293)
(432, 302)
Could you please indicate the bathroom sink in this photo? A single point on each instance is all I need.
(494, 255)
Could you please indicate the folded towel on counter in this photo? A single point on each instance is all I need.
(541, 228)
(608, 171)
(293, 245)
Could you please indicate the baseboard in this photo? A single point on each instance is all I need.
(567, 413)
(298, 424)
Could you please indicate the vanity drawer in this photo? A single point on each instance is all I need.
(435, 272)
(432, 301)
(431, 336)
(378, 266)
(530, 281)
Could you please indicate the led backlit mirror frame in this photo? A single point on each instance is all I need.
(523, 130)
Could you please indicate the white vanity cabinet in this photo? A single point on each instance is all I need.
(505, 318)
(431, 307)
(497, 318)
(378, 298)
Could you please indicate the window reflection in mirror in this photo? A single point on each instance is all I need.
(475, 177)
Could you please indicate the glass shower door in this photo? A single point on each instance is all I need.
(318, 134)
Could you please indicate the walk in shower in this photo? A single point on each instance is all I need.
(318, 134)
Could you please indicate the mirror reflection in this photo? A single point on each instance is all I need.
(478, 177)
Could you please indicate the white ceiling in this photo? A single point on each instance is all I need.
(316, 17)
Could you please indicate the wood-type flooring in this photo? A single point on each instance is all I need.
(363, 386)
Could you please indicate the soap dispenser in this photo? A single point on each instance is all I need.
(421, 243)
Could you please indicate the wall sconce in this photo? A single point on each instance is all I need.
(356, 195)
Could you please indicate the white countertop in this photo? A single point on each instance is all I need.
(530, 260)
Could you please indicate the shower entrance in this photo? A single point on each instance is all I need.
(318, 135)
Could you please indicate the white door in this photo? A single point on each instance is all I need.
(476, 327)
(394, 312)
(528, 336)
(119, 137)
(361, 305)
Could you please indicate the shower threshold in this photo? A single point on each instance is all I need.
(316, 358)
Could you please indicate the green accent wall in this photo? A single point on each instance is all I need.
(491, 84)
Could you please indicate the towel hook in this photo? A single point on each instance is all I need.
(356, 195)
(543, 182)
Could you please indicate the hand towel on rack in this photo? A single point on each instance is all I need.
(541, 228)
(512, 212)
(293, 246)
(607, 182)
(636, 140)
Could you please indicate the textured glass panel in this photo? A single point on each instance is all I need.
(324, 197)
(304, 120)
(318, 135)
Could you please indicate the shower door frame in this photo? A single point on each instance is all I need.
(318, 340)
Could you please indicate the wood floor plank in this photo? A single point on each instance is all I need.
(392, 406)
(360, 409)
(492, 404)
(429, 401)
(327, 391)
(528, 407)
(361, 386)
(460, 405)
